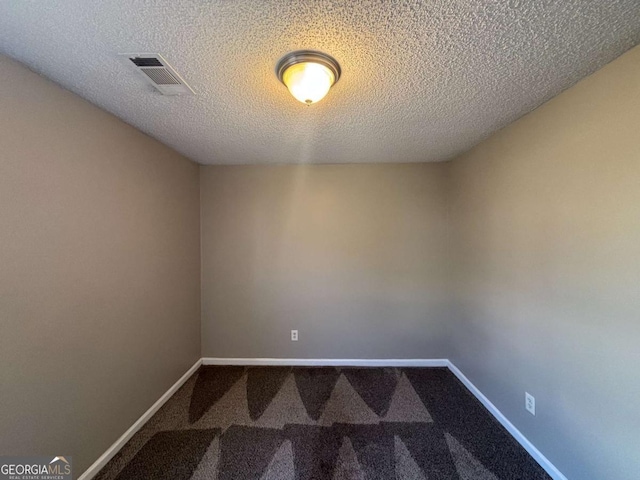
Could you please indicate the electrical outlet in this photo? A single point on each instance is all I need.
(294, 335)
(530, 403)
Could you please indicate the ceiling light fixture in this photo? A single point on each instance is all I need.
(308, 74)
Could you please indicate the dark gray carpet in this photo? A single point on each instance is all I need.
(282, 423)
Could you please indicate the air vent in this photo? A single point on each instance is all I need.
(146, 62)
(160, 76)
(157, 71)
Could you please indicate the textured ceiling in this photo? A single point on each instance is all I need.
(423, 80)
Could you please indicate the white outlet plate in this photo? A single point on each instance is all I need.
(530, 403)
(294, 335)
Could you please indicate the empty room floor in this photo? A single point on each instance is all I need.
(236, 422)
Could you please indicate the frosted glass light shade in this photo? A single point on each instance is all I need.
(308, 82)
(308, 74)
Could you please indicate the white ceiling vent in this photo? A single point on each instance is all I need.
(157, 71)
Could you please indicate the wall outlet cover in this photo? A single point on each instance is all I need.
(530, 403)
(294, 335)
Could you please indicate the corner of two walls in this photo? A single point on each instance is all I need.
(519, 261)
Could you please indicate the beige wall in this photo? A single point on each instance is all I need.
(99, 271)
(353, 256)
(546, 218)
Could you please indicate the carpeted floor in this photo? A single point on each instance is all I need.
(284, 423)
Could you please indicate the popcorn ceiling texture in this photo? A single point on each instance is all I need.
(423, 80)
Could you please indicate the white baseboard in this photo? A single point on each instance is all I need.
(90, 472)
(329, 362)
(515, 433)
(314, 362)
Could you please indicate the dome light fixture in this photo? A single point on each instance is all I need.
(308, 74)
